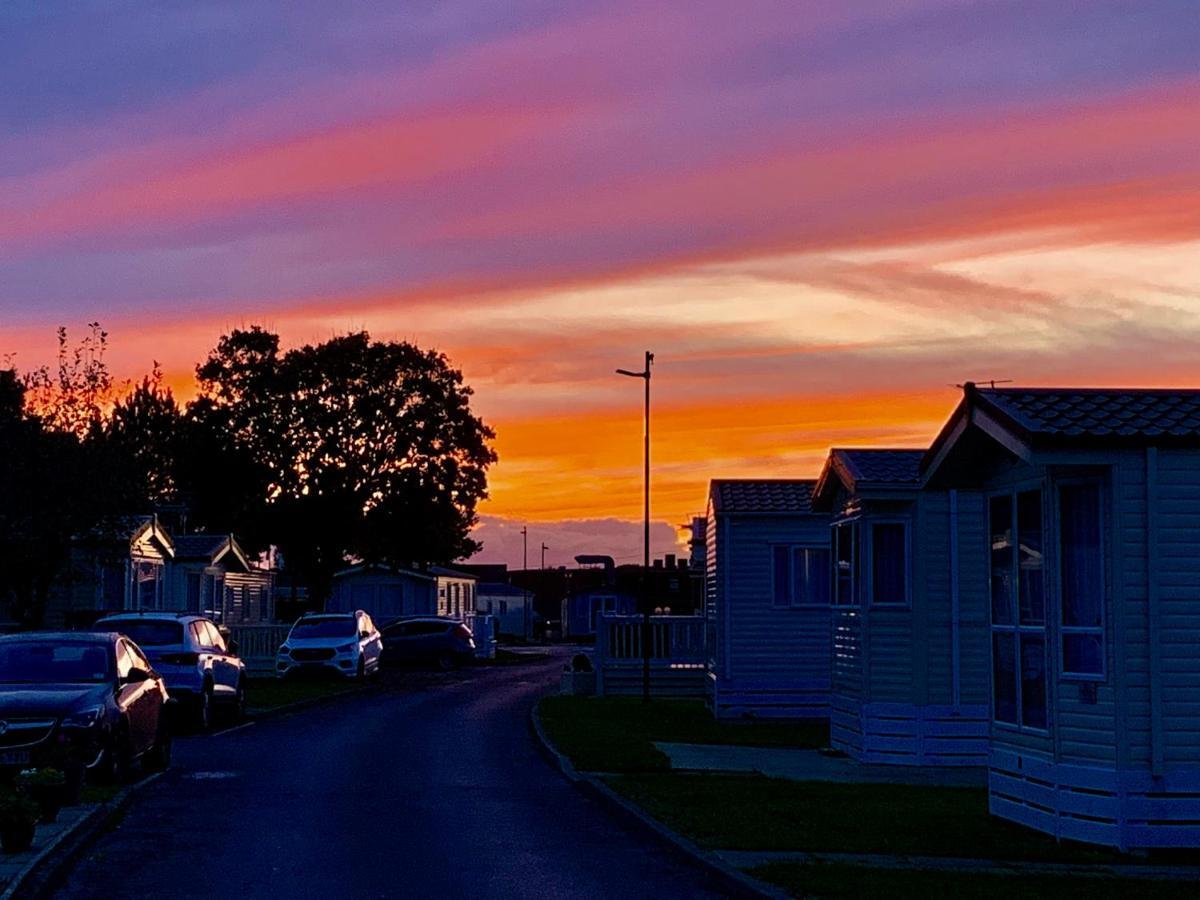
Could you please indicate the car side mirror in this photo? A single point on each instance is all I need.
(136, 676)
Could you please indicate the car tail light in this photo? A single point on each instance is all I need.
(181, 659)
(463, 632)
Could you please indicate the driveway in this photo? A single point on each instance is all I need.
(428, 787)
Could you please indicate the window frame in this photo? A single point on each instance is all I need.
(1063, 629)
(790, 548)
(1015, 628)
(869, 575)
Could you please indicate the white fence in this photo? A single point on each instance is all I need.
(257, 645)
(677, 657)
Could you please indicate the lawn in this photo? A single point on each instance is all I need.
(836, 881)
(751, 812)
(264, 694)
(615, 734)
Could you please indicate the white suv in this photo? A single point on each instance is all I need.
(345, 643)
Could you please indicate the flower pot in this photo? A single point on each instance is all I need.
(582, 684)
(16, 837)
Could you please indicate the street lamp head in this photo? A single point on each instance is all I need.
(631, 374)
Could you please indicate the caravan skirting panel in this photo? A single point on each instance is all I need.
(909, 735)
(1125, 809)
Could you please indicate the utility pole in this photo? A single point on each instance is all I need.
(646, 630)
(544, 549)
(524, 548)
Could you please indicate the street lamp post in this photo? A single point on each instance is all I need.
(646, 633)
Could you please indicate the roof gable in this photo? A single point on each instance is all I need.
(861, 469)
(1026, 419)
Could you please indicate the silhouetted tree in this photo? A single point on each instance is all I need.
(60, 475)
(358, 448)
(73, 398)
(145, 434)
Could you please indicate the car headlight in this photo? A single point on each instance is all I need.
(348, 648)
(84, 718)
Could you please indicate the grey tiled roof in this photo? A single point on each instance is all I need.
(1099, 412)
(762, 495)
(882, 466)
(196, 546)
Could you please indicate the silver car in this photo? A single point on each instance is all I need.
(346, 643)
(201, 671)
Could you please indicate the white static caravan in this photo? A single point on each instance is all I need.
(210, 574)
(110, 570)
(384, 592)
(1092, 580)
(455, 592)
(511, 606)
(767, 600)
(910, 664)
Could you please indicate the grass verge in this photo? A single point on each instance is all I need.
(263, 694)
(616, 734)
(837, 881)
(752, 812)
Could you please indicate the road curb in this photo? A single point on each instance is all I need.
(41, 871)
(738, 883)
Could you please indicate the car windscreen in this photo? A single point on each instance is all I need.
(44, 662)
(146, 632)
(325, 628)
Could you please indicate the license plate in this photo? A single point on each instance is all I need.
(14, 757)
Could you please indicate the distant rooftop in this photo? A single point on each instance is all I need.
(198, 546)
(885, 466)
(762, 495)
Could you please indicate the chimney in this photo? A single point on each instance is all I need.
(670, 563)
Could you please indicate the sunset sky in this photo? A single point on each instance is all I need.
(818, 215)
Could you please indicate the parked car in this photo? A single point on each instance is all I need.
(202, 672)
(346, 643)
(446, 643)
(81, 701)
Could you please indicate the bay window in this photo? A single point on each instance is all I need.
(845, 540)
(1018, 607)
(1082, 579)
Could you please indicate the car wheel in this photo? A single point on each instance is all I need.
(158, 758)
(116, 762)
(239, 702)
(204, 709)
(447, 662)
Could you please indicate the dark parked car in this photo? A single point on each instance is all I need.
(446, 643)
(202, 672)
(80, 701)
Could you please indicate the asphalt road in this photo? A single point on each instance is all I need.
(427, 787)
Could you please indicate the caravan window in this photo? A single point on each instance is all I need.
(889, 564)
(1082, 579)
(1018, 610)
(845, 537)
(800, 575)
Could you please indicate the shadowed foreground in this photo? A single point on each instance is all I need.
(418, 792)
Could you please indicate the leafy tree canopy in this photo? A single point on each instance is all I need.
(357, 449)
